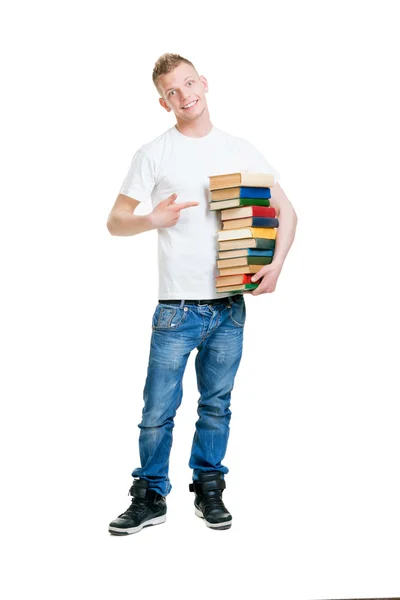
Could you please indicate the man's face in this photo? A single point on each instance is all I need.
(182, 87)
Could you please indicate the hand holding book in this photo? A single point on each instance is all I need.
(167, 213)
(267, 278)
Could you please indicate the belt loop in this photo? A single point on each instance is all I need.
(182, 303)
(230, 300)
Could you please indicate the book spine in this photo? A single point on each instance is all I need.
(264, 222)
(268, 212)
(255, 192)
(239, 279)
(254, 202)
(245, 286)
(243, 253)
(224, 204)
(249, 179)
(244, 261)
(263, 232)
(265, 244)
(238, 212)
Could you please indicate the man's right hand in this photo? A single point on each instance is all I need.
(167, 213)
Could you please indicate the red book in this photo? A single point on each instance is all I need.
(248, 211)
(233, 279)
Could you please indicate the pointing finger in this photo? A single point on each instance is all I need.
(186, 205)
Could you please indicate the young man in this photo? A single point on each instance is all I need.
(173, 171)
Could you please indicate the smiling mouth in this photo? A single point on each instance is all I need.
(190, 105)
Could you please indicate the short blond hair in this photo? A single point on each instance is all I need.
(167, 63)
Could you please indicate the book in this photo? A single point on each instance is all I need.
(249, 222)
(268, 212)
(240, 192)
(244, 178)
(243, 252)
(246, 260)
(232, 279)
(222, 204)
(247, 232)
(239, 270)
(260, 243)
(238, 288)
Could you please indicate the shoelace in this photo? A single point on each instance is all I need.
(137, 507)
(213, 501)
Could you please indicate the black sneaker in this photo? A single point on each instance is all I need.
(147, 508)
(208, 501)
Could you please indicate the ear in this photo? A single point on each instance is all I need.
(204, 82)
(164, 104)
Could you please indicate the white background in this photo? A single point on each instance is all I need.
(314, 446)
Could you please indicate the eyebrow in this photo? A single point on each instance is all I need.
(169, 89)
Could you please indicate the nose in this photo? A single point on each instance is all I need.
(184, 97)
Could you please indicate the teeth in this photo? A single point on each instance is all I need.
(191, 104)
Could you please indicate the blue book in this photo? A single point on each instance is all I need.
(254, 192)
(251, 252)
(264, 222)
(243, 252)
(263, 193)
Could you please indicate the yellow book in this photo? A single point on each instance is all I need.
(268, 233)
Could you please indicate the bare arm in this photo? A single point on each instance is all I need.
(287, 223)
(268, 275)
(122, 221)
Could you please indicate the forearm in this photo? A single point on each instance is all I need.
(126, 223)
(286, 234)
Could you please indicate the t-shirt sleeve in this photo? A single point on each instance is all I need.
(257, 163)
(140, 180)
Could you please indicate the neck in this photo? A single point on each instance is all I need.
(198, 128)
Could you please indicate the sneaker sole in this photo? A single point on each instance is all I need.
(224, 525)
(129, 530)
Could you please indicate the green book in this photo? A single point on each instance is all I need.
(238, 288)
(234, 202)
(245, 260)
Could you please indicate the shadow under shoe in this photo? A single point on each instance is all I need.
(147, 508)
(208, 501)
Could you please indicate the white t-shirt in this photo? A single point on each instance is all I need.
(173, 162)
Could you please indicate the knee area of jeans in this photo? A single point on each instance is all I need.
(222, 409)
(155, 425)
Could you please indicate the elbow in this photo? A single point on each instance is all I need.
(294, 214)
(110, 225)
(288, 213)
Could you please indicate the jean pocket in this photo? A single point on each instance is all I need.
(237, 312)
(168, 317)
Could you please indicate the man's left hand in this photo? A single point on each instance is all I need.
(269, 276)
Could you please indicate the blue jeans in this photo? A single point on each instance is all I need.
(217, 333)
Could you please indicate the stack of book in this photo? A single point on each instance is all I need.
(247, 238)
